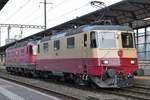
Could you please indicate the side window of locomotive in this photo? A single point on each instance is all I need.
(34, 49)
(93, 40)
(71, 42)
(27, 50)
(134, 40)
(38, 49)
(127, 40)
(22, 52)
(17, 53)
(56, 45)
(45, 47)
(85, 40)
(30, 50)
(1, 58)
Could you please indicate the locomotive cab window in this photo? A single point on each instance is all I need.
(38, 49)
(45, 47)
(34, 49)
(30, 50)
(85, 40)
(93, 39)
(127, 40)
(70, 42)
(56, 45)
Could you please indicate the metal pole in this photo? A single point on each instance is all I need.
(0, 36)
(9, 32)
(45, 14)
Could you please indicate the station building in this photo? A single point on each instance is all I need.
(142, 38)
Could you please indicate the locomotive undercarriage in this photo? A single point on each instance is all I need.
(112, 80)
(58, 76)
(115, 82)
(109, 80)
(24, 69)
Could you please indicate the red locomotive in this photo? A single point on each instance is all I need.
(21, 57)
(103, 54)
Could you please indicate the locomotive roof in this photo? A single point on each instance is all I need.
(21, 44)
(87, 28)
(106, 27)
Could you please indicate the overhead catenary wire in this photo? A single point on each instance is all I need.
(99, 5)
(35, 18)
(69, 12)
(33, 13)
(59, 4)
(40, 15)
(51, 8)
(17, 11)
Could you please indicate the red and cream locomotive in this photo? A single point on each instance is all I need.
(103, 54)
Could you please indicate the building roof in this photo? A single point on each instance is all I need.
(130, 12)
(2, 3)
(126, 11)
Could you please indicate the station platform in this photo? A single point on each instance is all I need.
(146, 71)
(12, 91)
(145, 66)
(145, 80)
(142, 77)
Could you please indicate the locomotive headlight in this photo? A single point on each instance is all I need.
(105, 61)
(132, 62)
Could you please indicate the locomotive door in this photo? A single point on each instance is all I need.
(85, 53)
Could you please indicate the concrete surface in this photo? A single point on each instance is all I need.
(12, 91)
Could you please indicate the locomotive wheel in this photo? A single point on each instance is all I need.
(7, 69)
(68, 77)
(79, 81)
(34, 74)
(93, 85)
(45, 75)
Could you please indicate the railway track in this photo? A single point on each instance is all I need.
(141, 89)
(64, 91)
(39, 88)
(138, 91)
(134, 93)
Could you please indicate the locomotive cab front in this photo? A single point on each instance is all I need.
(117, 57)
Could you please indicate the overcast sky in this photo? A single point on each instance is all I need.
(31, 12)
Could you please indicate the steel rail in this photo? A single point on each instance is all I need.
(130, 93)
